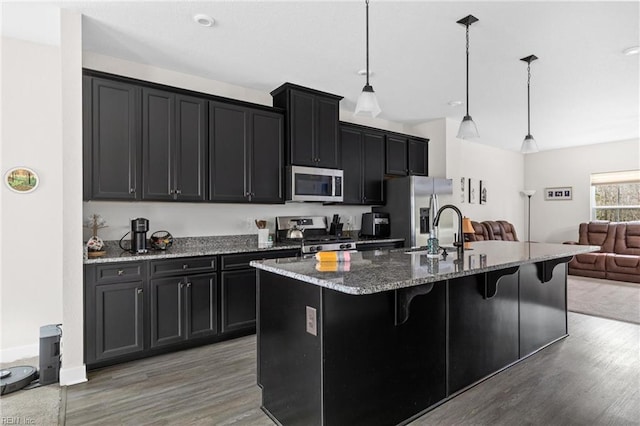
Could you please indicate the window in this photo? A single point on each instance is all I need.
(615, 196)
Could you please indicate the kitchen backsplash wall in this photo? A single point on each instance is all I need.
(195, 219)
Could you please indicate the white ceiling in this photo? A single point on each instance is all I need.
(583, 89)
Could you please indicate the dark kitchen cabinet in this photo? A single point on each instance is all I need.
(174, 146)
(183, 301)
(406, 155)
(111, 139)
(245, 154)
(362, 152)
(183, 308)
(238, 288)
(312, 125)
(114, 311)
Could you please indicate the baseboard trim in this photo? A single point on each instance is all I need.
(19, 352)
(73, 376)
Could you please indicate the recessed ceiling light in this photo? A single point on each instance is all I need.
(364, 72)
(454, 103)
(633, 50)
(204, 20)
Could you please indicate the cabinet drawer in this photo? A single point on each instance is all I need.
(240, 261)
(186, 265)
(118, 272)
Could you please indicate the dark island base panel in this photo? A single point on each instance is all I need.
(361, 368)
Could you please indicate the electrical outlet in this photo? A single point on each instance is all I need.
(312, 321)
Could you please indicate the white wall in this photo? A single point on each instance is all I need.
(31, 238)
(557, 221)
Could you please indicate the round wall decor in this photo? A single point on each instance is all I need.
(21, 180)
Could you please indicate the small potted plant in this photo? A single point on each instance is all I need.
(95, 245)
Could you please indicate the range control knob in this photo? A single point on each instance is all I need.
(343, 246)
(348, 245)
(319, 248)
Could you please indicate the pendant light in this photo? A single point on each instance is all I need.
(468, 129)
(529, 144)
(367, 103)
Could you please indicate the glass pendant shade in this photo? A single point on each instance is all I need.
(367, 105)
(468, 129)
(529, 145)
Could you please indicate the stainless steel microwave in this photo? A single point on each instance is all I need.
(314, 184)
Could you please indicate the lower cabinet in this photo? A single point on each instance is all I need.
(238, 288)
(139, 309)
(183, 308)
(238, 299)
(114, 311)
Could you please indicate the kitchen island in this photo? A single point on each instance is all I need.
(392, 334)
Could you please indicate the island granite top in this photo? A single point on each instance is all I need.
(383, 270)
(201, 246)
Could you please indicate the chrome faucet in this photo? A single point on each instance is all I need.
(459, 243)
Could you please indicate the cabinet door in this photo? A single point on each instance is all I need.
(266, 168)
(326, 136)
(301, 129)
(118, 316)
(396, 148)
(418, 157)
(191, 148)
(202, 301)
(238, 299)
(158, 140)
(351, 152)
(228, 152)
(167, 311)
(373, 168)
(114, 140)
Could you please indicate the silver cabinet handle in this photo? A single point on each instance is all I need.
(188, 285)
(132, 190)
(139, 291)
(178, 191)
(120, 272)
(185, 266)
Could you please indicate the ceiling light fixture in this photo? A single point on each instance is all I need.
(204, 20)
(367, 103)
(468, 129)
(454, 103)
(529, 144)
(633, 50)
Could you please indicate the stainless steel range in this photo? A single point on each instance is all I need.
(313, 236)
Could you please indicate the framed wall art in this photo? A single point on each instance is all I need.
(483, 192)
(559, 193)
(473, 191)
(21, 179)
(463, 190)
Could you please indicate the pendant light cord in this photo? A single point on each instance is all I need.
(367, 3)
(467, 70)
(528, 98)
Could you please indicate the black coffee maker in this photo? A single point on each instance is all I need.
(139, 229)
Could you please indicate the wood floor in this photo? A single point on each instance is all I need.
(591, 377)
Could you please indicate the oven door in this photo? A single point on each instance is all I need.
(314, 184)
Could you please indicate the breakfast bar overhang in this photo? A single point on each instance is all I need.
(392, 334)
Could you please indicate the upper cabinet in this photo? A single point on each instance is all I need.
(406, 155)
(245, 154)
(112, 143)
(312, 125)
(174, 143)
(362, 152)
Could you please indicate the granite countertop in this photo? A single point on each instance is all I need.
(378, 271)
(191, 246)
(203, 246)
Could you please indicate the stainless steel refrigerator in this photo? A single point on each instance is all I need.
(412, 203)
